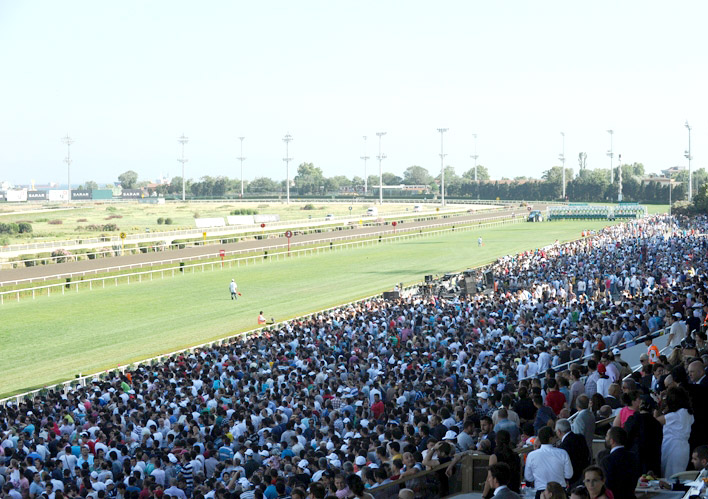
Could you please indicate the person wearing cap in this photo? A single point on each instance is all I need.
(677, 331)
(233, 289)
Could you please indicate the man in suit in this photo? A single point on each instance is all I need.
(621, 466)
(576, 447)
(697, 373)
(498, 477)
(584, 422)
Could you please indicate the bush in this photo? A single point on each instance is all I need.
(55, 222)
(60, 255)
(245, 211)
(25, 227)
(111, 208)
(111, 217)
(28, 260)
(308, 206)
(41, 220)
(9, 228)
(168, 221)
(110, 227)
(160, 221)
(82, 220)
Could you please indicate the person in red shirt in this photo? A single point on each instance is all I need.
(554, 398)
(377, 408)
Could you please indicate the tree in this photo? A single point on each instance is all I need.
(91, 185)
(263, 185)
(128, 179)
(582, 160)
(309, 179)
(391, 179)
(416, 175)
(482, 173)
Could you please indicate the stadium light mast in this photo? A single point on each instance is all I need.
(475, 156)
(183, 140)
(68, 141)
(442, 165)
(687, 155)
(611, 154)
(287, 160)
(365, 157)
(562, 160)
(380, 157)
(619, 178)
(241, 158)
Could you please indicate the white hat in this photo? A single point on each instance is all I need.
(360, 461)
(450, 435)
(172, 458)
(249, 452)
(616, 351)
(482, 395)
(302, 464)
(678, 315)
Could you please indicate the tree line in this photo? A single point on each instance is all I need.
(584, 186)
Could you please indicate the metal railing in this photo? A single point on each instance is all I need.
(253, 259)
(197, 232)
(118, 268)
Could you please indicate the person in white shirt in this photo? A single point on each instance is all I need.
(677, 332)
(548, 463)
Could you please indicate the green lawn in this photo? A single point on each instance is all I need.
(133, 217)
(50, 339)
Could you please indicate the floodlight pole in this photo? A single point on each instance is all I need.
(380, 157)
(611, 154)
(68, 141)
(183, 140)
(475, 156)
(687, 155)
(442, 165)
(287, 159)
(241, 158)
(619, 178)
(365, 157)
(562, 160)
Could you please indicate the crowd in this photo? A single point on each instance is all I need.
(346, 401)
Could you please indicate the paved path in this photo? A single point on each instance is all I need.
(54, 271)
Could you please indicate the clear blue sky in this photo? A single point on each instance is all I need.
(125, 79)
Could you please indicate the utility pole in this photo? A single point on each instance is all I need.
(183, 140)
(611, 154)
(380, 157)
(619, 177)
(687, 155)
(68, 141)
(241, 158)
(365, 157)
(442, 166)
(475, 156)
(287, 160)
(562, 160)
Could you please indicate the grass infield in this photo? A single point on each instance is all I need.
(50, 339)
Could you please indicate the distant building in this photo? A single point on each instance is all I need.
(659, 180)
(673, 171)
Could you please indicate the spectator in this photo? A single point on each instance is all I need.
(547, 463)
(676, 420)
(644, 437)
(497, 479)
(576, 447)
(621, 468)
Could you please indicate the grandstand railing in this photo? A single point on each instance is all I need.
(406, 232)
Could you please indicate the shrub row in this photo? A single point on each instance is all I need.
(245, 211)
(15, 228)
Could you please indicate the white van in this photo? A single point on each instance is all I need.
(418, 208)
(372, 212)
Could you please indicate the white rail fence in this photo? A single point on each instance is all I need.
(119, 268)
(100, 282)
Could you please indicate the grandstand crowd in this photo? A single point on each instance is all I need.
(346, 401)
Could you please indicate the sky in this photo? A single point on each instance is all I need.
(125, 79)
